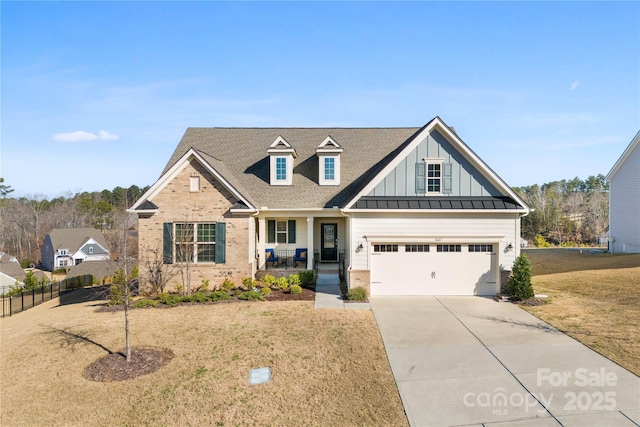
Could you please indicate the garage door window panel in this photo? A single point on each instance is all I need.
(449, 248)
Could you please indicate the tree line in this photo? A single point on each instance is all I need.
(25, 221)
(567, 212)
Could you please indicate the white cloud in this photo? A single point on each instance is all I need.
(83, 136)
(106, 136)
(575, 84)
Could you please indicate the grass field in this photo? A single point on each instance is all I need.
(593, 297)
(328, 367)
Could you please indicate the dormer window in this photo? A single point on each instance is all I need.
(329, 162)
(281, 155)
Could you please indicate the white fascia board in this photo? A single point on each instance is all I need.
(458, 144)
(174, 171)
(623, 158)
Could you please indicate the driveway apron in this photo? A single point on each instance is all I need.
(471, 361)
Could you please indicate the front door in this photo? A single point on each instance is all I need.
(329, 249)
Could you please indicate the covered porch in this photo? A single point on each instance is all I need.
(295, 243)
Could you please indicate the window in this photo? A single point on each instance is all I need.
(195, 242)
(329, 168)
(385, 248)
(62, 263)
(62, 251)
(281, 231)
(90, 250)
(194, 184)
(480, 248)
(449, 248)
(434, 176)
(416, 248)
(281, 168)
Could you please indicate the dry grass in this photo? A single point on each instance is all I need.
(593, 297)
(328, 367)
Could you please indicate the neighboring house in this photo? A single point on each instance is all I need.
(11, 272)
(624, 201)
(66, 247)
(409, 211)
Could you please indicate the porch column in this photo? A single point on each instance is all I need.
(262, 239)
(310, 243)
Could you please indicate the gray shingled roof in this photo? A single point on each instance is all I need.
(73, 238)
(98, 269)
(240, 156)
(10, 266)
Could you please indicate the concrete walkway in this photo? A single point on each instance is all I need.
(328, 293)
(470, 361)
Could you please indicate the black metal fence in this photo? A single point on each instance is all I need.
(19, 302)
(286, 259)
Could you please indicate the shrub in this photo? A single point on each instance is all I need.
(294, 279)
(265, 290)
(169, 299)
(282, 283)
(249, 283)
(143, 303)
(251, 296)
(219, 296)
(540, 241)
(295, 289)
(227, 285)
(357, 294)
(204, 285)
(199, 297)
(116, 296)
(520, 287)
(306, 277)
(269, 280)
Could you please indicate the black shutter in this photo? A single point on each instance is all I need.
(167, 243)
(421, 180)
(291, 228)
(221, 244)
(271, 231)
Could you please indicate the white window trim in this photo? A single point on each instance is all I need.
(193, 243)
(322, 180)
(289, 169)
(426, 171)
(194, 184)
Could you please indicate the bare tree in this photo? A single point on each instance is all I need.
(156, 271)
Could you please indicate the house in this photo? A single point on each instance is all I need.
(66, 247)
(11, 272)
(407, 211)
(624, 201)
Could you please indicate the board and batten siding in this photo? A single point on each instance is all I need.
(501, 229)
(624, 205)
(466, 180)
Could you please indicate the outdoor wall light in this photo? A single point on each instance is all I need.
(509, 247)
(359, 248)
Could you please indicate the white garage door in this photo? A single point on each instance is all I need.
(429, 269)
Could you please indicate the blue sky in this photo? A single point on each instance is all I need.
(97, 94)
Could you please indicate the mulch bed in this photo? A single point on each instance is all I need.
(114, 366)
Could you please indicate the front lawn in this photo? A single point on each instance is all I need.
(593, 297)
(328, 367)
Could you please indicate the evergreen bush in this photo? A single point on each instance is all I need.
(520, 287)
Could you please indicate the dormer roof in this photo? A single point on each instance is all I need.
(281, 146)
(329, 145)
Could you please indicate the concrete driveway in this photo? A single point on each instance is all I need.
(471, 361)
